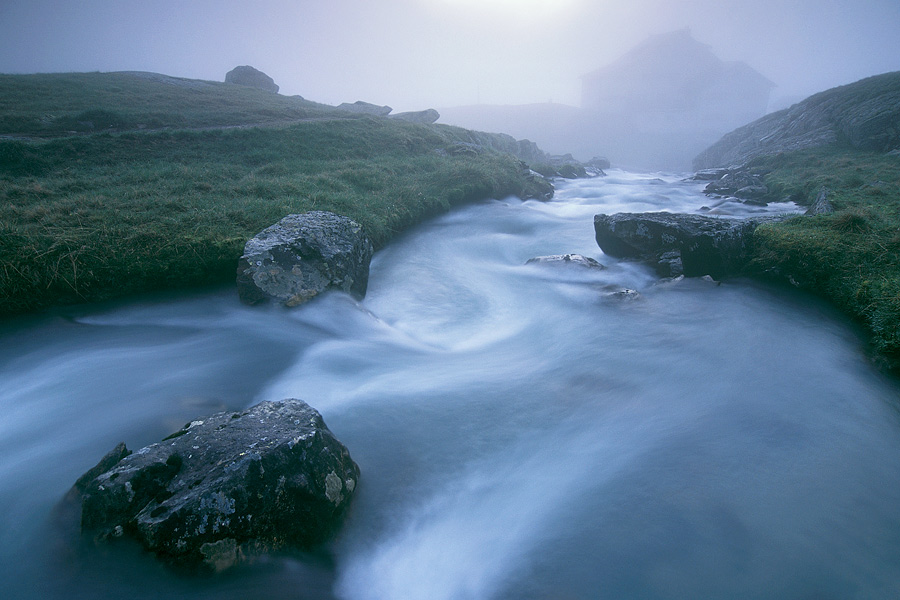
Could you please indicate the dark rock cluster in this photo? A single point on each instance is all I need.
(739, 183)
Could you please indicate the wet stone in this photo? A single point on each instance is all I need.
(225, 488)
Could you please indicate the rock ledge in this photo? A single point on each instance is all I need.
(680, 244)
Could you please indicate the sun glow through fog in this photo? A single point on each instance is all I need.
(514, 7)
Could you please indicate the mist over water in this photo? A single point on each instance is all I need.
(521, 432)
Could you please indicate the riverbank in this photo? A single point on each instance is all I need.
(850, 257)
(160, 182)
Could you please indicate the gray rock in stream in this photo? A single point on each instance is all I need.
(302, 256)
(566, 259)
(676, 244)
(224, 488)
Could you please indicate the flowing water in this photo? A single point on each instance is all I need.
(522, 431)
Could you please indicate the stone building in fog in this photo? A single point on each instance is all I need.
(672, 80)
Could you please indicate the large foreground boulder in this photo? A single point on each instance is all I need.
(225, 488)
(302, 256)
(680, 244)
(248, 76)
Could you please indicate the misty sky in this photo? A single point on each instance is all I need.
(413, 54)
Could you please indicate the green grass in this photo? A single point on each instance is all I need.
(63, 103)
(97, 216)
(851, 257)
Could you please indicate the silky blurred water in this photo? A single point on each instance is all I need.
(522, 431)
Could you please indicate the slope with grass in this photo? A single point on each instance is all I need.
(845, 141)
(115, 184)
(851, 257)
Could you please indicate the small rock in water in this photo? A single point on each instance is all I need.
(566, 259)
(625, 294)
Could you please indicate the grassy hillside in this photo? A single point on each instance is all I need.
(851, 257)
(165, 191)
(64, 103)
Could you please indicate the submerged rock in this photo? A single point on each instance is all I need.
(302, 256)
(625, 295)
(676, 244)
(566, 259)
(225, 488)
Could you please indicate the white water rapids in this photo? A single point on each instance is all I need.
(521, 433)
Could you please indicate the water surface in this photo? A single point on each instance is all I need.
(522, 431)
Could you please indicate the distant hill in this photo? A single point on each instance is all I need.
(864, 115)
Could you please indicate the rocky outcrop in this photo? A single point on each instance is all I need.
(250, 77)
(598, 162)
(524, 150)
(822, 205)
(423, 117)
(225, 488)
(680, 244)
(366, 108)
(566, 259)
(302, 256)
(741, 183)
(864, 115)
(566, 170)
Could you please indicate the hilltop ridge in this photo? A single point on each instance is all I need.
(864, 115)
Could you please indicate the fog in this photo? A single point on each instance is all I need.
(416, 54)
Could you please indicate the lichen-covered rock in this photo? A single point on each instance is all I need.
(566, 259)
(302, 256)
(248, 76)
(677, 244)
(224, 488)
